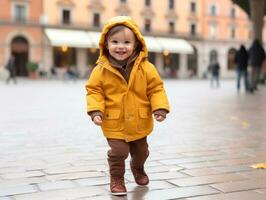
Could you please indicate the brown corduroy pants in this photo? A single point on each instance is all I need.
(119, 151)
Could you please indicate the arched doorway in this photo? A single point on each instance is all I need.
(231, 59)
(213, 57)
(20, 50)
(192, 62)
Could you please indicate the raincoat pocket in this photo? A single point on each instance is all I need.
(111, 119)
(145, 121)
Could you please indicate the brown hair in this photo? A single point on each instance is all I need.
(114, 30)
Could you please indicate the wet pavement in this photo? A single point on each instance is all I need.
(50, 150)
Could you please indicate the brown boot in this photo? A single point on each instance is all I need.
(140, 175)
(117, 186)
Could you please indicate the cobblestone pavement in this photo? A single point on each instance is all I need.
(50, 150)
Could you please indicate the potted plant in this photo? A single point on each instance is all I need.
(32, 69)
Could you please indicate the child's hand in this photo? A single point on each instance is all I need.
(158, 118)
(160, 115)
(97, 120)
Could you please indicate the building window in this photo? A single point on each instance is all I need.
(213, 30)
(148, 3)
(66, 16)
(171, 4)
(233, 13)
(20, 13)
(96, 20)
(193, 29)
(213, 10)
(171, 27)
(232, 32)
(147, 25)
(193, 7)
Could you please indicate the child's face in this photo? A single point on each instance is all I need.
(121, 44)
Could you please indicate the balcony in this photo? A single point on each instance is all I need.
(20, 21)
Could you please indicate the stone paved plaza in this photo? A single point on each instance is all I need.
(50, 150)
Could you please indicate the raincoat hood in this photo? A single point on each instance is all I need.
(126, 21)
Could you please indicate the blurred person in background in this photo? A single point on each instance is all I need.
(241, 61)
(256, 57)
(11, 68)
(214, 69)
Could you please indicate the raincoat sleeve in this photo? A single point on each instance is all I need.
(155, 90)
(95, 94)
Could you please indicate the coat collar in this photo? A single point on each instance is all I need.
(103, 61)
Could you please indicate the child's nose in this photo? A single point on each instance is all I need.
(121, 45)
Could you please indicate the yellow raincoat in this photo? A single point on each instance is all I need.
(127, 107)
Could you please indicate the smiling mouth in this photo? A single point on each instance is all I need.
(120, 53)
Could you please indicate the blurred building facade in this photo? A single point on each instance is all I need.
(183, 37)
(21, 32)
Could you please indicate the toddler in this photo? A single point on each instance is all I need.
(123, 91)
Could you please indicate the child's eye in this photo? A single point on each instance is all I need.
(114, 41)
(127, 42)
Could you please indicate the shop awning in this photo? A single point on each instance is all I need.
(95, 37)
(90, 39)
(174, 45)
(71, 38)
(152, 44)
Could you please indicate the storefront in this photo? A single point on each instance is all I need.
(79, 49)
